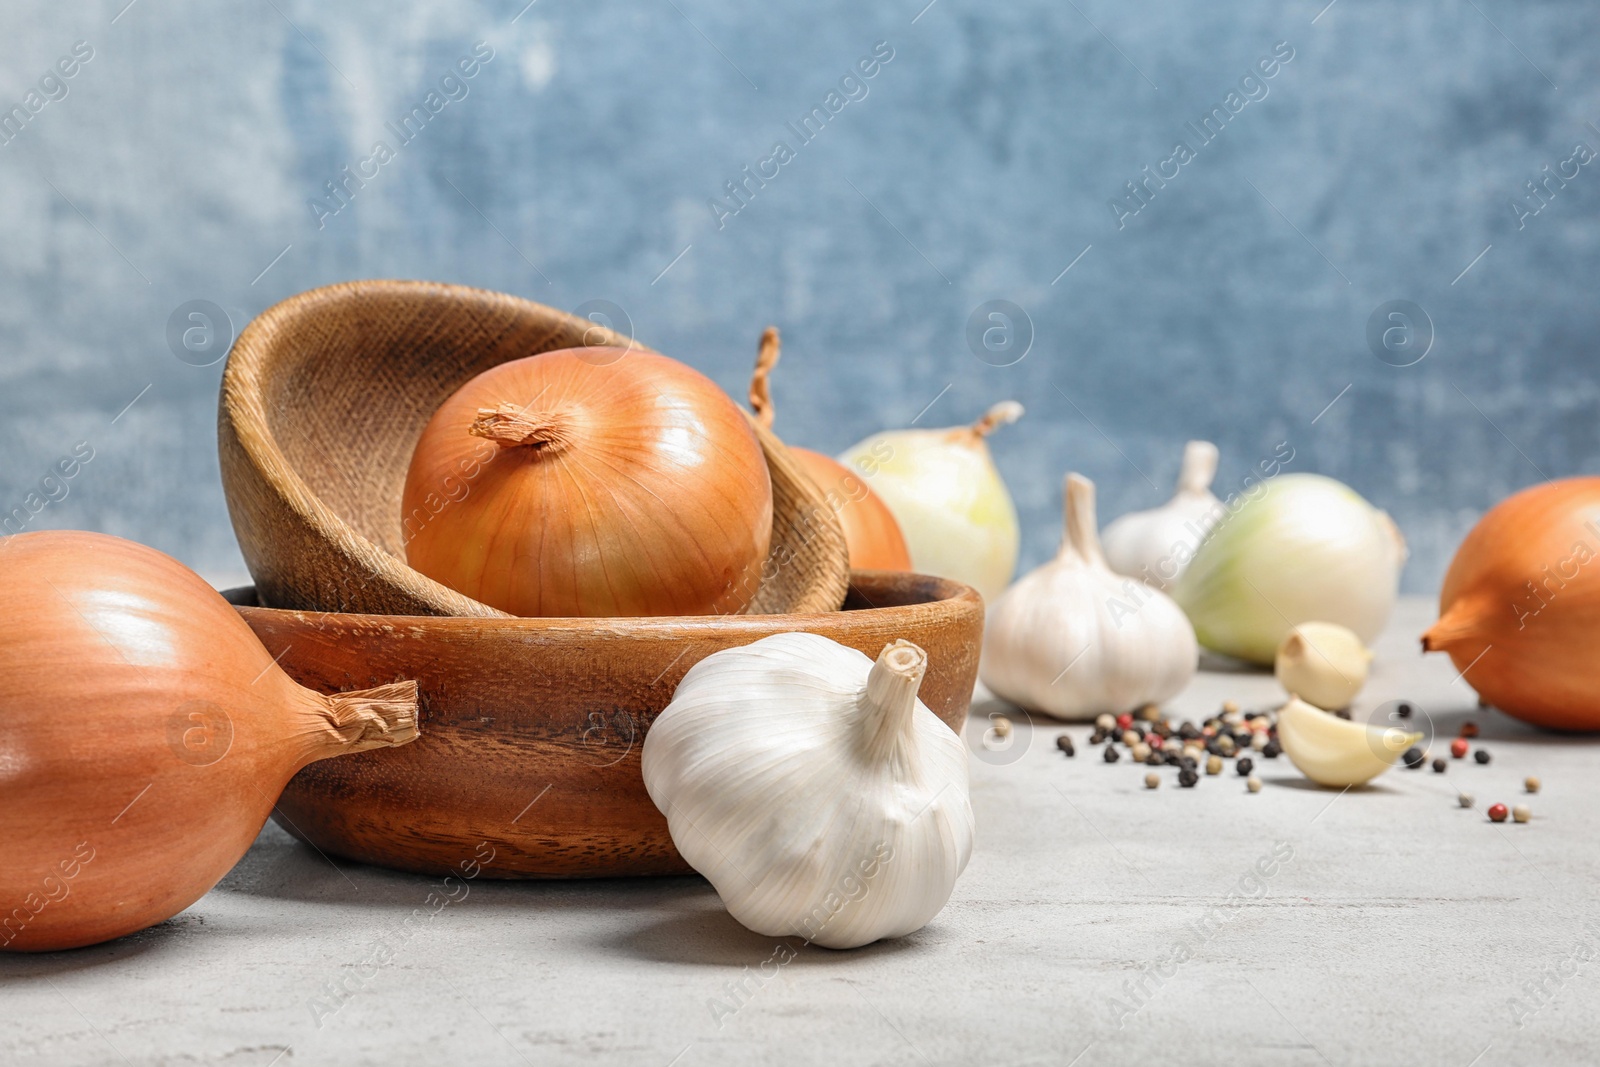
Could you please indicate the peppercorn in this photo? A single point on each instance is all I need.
(1229, 707)
(1155, 759)
(1188, 730)
(1098, 736)
(1458, 748)
(1162, 730)
(1245, 766)
(1214, 765)
(1413, 757)
(1469, 729)
(1253, 784)
(1149, 713)
(1497, 812)
(1521, 813)
(1439, 765)
(1343, 713)
(1271, 749)
(1187, 778)
(1112, 755)
(1124, 721)
(1464, 799)
(1482, 755)
(1152, 780)
(1002, 726)
(1064, 743)
(1173, 759)
(1226, 747)
(1139, 751)
(1130, 737)
(1258, 740)
(1105, 721)
(1187, 763)
(1531, 784)
(1403, 710)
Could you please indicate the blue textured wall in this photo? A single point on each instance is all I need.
(584, 157)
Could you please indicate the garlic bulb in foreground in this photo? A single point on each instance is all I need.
(1154, 546)
(1073, 640)
(953, 509)
(813, 790)
(1322, 663)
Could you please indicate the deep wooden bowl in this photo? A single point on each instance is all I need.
(323, 399)
(532, 728)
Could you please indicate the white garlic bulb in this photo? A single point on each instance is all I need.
(813, 790)
(1074, 640)
(1322, 663)
(1155, 546)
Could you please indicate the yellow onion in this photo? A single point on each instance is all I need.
(948, 497)
(870, 530)
(625, 483)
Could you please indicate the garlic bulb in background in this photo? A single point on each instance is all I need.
(1154, 546)
(813, 790)
(952, 507)
(1322, 663)
(1303, 548)
(1336, 752)
(1073, 640)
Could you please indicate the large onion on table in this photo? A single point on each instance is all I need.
(145, 735)
(620, 483)
(1519, 612)
(870, 530)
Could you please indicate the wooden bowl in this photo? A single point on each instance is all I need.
(322, 403)
(532, 728)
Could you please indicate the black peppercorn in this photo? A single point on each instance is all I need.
(1173, 759)
(1188, 763)
(1156, 758)
(1271, 750)
(1245, 766)
(1413, 758)
(1188, 731)
(1098, 736)
(1187, 778)
(1064, 743)
(1439, 765)
(1112, 755)
(1403, 710)
(1482, 755)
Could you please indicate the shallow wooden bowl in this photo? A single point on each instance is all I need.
(323, 400)
(532, 728)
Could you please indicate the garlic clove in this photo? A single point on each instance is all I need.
(1323, 663)
(1337, 752)
(1155, 545)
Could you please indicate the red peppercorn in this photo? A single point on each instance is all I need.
(1458, 748)
(1497, 812)
(1469, 729)
(1124, 721)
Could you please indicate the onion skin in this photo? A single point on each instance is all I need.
(870, 529)
(145, 735)
(1519, 612)
(639, 489)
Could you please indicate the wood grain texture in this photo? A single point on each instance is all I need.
(532, 728)
(323, 399)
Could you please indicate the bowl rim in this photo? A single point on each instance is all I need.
(948, 592)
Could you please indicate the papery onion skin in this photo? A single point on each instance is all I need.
(944, 490)
(1303, 548)
(1532, 652)
(648, 493)
(871, 533)
(145, 735)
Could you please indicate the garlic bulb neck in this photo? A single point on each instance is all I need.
(511, 426)
(1199, 468)
(761, 378)
(1002, 414)
(1082, 533)
(889, 700)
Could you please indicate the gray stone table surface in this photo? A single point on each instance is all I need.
(1098, 923)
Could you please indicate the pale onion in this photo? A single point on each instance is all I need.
(145, 735)
(1073, 640)
(1323, 664)
(1336, 752)
(1519, 612)
(626, 483)
(870, 530)
(1298, 548)
(811, 787)
(1155, 546)
(944, 490)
